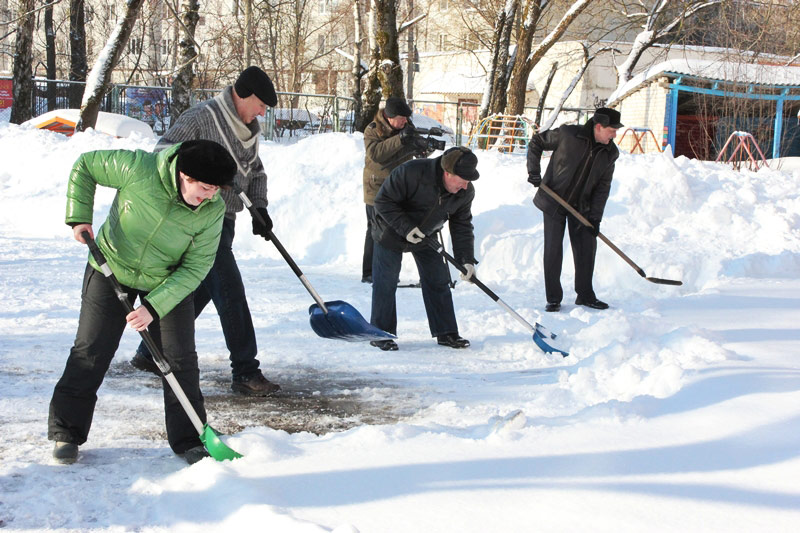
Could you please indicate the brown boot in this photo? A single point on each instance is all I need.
(254, 385)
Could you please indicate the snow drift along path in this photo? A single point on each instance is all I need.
(676, 410)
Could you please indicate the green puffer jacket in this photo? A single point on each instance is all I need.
(151, 239)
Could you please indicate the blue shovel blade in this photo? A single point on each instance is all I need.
(546, 340)
(343, 321)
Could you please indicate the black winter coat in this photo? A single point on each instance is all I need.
(571, 146)
(414, 196)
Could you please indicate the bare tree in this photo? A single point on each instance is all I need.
(23, 64)
(385, 76)
(78, 62)
(528, 56)
(656, 22)
(50, 51)
(494, 96)
(100, 77)
(182, 84)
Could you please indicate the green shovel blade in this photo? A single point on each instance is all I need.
(218, 449)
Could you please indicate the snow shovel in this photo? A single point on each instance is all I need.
(208, 435)
(543, 337)
(332, 320)
(619, 252)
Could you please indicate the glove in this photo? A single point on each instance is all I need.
(407, 134)
(535, 179)
(470, 268)
(415, 236)
(266, 227)
(596, 229)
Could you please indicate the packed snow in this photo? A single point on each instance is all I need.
(678, 409)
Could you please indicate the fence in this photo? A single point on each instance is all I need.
(296, 115)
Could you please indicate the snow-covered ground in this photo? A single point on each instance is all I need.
(678, 409)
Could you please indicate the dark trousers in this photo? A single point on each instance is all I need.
(366, 262)
(100, 327)
(584, 247)
(434, 279)
(223, 285)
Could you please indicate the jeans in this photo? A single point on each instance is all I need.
(584, 248)
(434, 278)
(223, 285)
(100, 327)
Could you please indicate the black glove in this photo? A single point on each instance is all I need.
(407, 134)
(266, 227)
(596, 227)
(535, 179)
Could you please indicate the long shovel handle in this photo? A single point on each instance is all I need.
(436, 245)
(286, 257)
(605, 239)
(158, 357)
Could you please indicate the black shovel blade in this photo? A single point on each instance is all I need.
(662, 281)
(343, 321)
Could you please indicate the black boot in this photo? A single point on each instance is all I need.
(139, 361)
(553, 307)
(254, 384)
(387, 346)
(452, 340)
(594, 303)
(65, 453)
(192, 455)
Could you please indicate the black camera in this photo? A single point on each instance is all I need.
(428, 144)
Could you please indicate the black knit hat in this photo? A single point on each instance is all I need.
(255, 81)
(396, 106)
(607, 117)
(206, 161)
(460, 161)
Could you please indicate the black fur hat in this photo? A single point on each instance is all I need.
(460, 161)
(396, 106)
(255, 81)
(607, 117)
(206, 161)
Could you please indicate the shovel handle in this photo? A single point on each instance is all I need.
(439, 247)
(158, 357)
(286, 257)
(574, 212)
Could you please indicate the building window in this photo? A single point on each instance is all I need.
(166, 46)
(444, 44)
(442, 5)
(320, 44)
(134, 45)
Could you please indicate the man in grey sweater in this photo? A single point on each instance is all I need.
(231, 119)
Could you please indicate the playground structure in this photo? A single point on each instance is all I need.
(504, 133)
(737, 157)
(638, 140)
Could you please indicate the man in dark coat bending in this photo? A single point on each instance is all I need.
(580, 171)
(413, 203)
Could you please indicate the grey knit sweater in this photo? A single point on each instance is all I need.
(216, 120)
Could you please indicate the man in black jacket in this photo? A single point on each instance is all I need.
(580, 171)
(413, 203)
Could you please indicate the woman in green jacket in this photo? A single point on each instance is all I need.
(160, 240)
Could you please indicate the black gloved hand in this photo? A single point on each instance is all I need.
(407, 134)
(596, 227)
(535, 179)
(266, 227)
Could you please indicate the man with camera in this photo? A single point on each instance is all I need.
(389, 141)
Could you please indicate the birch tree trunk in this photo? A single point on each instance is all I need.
(78, 64)
(184, 80)
(23, 64)
(494, 96)
(99, 78)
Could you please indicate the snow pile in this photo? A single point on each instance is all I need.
(676, 409)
